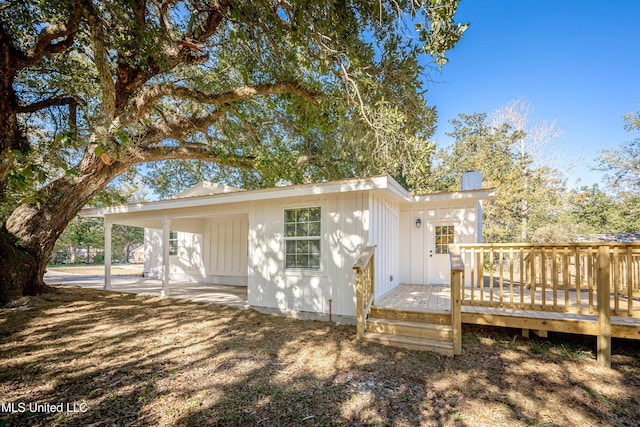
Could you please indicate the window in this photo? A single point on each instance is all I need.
(444, 238)
(302, 238)
(173, 243)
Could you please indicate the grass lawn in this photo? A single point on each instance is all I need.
(125, 359)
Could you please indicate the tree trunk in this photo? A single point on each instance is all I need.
(127, 251)
(71, 255)
(30, 233)
(21, 272)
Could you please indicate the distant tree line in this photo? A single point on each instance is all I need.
(533, 202)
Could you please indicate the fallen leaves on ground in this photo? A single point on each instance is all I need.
(125, 359)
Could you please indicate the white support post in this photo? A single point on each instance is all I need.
(166, 230)
(107, 254)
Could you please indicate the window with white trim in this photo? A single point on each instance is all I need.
(444, 238)
(173, 243)
(302, 238)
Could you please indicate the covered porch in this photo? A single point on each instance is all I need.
(186, 247)
(232, 296)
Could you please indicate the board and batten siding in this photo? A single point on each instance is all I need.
(187, 265)
(226, 240)
(416, 243)
(384, 223)
(213, 251)
(343, 230)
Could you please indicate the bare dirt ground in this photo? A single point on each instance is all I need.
(123, 359)
(98, 270)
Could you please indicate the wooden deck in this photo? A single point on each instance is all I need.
(581, 288)
(437, 299)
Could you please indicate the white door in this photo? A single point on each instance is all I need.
(439, 236)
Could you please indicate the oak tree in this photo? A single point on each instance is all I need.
(91, 88)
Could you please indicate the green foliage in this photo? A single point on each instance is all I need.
(623, 164)
(596, 211)
(80, 241)
(83, 242)
(358, 60)
(593, 208)
(441, 18)
(527, 197)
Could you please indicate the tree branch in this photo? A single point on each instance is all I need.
(101, 61)
(46, 103)
(154, 93)
(210, 25)
(48, 40)
(177, 127)
(131, 78)
(192, 152)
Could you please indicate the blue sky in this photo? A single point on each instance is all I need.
(576, 62)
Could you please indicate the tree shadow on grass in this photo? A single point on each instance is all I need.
(135, 360)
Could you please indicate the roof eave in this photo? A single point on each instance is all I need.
(342, 186)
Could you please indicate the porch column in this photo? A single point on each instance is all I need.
(107, 254)
(166, 230)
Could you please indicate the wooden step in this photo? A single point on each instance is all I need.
(438, 318)
(410, 329)
(411, 343)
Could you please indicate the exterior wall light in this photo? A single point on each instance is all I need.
(418, 223)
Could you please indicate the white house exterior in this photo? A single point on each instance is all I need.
(294, 247)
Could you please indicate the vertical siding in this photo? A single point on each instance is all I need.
(188, 264)
(384, 232)
(152, 252)
(227, 241)
(462, 214)
(215, 252)
(273, 286)
(407, 248)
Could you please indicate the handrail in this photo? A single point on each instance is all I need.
(560, 277)
(365, 275)
(598, 278)
(364, 257)
(557, 244)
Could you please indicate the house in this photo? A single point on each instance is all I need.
(609, 237)
(294, 246)
(138, 255)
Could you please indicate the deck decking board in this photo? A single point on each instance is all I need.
(429, 298)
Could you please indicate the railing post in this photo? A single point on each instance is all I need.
(604, 307)
(370, 285)
(457, 271)
(364, 287)
(359, 303)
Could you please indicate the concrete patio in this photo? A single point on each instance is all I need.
(233, 296)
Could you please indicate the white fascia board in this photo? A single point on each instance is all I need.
(343, 186)
(398, 190)
(457, 195)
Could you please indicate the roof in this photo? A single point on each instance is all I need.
(206, 188)
(192, 197)
(610, 237)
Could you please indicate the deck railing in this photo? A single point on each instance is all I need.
(365, 273)
(600, 279)
(551, 277)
